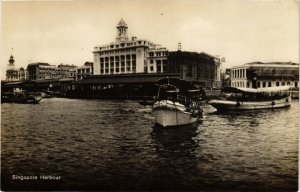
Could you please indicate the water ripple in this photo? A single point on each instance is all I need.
(104, 145)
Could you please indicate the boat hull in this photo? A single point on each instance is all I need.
(225, 105)
(167, 113)
(11, 98)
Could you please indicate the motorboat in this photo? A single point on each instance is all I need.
(173, 107)
(233, 98)
(46, 95)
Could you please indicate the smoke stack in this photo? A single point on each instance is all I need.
(179, 46)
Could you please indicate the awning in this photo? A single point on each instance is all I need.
(258, 90)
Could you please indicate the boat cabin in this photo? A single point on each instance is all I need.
(250, 94)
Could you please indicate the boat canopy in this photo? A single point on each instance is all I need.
(182, 85)
(258, 90)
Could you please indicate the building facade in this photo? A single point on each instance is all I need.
(37, 71)
(123, 56)
(84, 71)
(23, 74)
(258, 74)
(157, 60)
(42, 71)
(200, 68)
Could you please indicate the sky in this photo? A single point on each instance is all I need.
(66, 32)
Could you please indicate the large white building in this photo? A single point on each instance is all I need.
(126, 55)
(258, 74)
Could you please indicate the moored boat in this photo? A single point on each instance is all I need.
(248, 98)
(46, 95)
(20, 97)
(173, 107)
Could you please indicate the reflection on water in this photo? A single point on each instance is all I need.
(105, 145)
(179, 141)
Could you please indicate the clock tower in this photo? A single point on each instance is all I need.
(122, 31)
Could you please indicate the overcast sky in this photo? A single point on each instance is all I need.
(66, 31)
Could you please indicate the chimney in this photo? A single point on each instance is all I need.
(179, 46)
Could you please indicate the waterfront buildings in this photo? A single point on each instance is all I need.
(258, 74)
(140, 56)
(42, 71)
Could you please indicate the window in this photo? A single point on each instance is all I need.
(158, 68)
(264, 84)
(158, 62)
(164, 68)
(288, 83)
(277, 83)
(282, 83)
(258, 84)
(189, 71)
(151, 61)
(296, 84)
(248, 85)
(151, 68)
(269, 84)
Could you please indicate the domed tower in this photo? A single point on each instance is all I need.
(122, 31)
(12, 74)
(11, 63)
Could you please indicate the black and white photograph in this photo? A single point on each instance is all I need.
(152, 95)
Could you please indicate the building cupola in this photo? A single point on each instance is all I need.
(11, 61)
(122, 31)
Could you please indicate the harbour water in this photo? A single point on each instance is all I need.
(114, 145)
